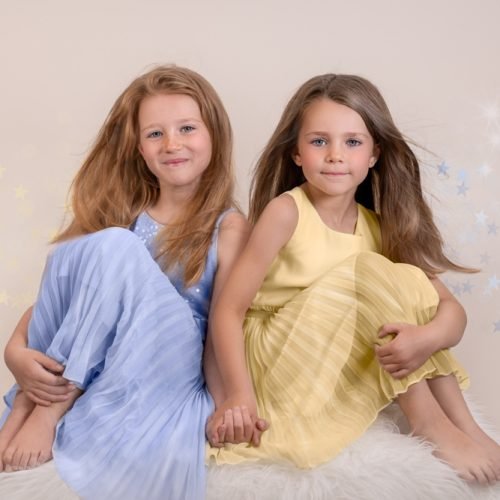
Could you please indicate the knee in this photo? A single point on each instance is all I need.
(110, 243)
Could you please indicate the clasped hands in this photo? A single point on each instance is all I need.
(235, 421)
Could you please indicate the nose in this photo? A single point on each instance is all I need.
(171, 143)
(335, 153)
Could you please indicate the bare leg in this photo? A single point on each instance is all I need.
(428, 420)
(21, 409)
(32, 444)
(449, 396)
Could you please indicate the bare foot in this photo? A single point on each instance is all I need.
(472, 461)
(21, 409)
(491, 447)
(32, 445)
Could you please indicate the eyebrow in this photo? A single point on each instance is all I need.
(180, 122)
(319, 132)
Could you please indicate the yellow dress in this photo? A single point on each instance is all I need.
(309, 338)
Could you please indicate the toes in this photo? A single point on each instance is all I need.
(34, 460)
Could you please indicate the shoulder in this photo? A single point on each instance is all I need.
(275, 226)
(234, 230)
(281, 211)
(371, 217)
(371, 227)
(234, 221)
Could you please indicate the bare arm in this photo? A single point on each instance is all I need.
(233, 235)
(448, 325)
(19, 337)
(273, 230)
(414, 344)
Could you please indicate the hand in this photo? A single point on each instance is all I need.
(235, 423)
(410, 348)
(38, 376)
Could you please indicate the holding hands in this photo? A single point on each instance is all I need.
(235, 421)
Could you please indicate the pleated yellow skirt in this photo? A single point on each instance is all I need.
(312, 361)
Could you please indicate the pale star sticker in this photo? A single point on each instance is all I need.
(462, 175)
(443, 168)
(492, 228)
(462, 189)
(481, 218)
(21, 192)
(494, 282)
(484, 170)
(497, 326)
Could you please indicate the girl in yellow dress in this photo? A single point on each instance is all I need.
(334, 307)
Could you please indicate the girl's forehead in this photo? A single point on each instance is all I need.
(329, 112)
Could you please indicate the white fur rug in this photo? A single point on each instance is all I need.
(382, 465)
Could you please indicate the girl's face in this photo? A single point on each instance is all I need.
(334, 148)
(174, 141)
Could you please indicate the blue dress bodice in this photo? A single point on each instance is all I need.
(198, 295)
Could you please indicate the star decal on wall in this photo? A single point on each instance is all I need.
(462, 189)
(484, 170)
(493, 282)
(21, 192)
(4, 297)
(481, 218)
(443, 169)
(492, 228)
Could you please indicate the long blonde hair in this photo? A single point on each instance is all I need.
(393, 186)
(114, 185)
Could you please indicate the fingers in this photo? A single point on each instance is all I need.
(49, 379)
(399, 374)
(229, 424)
(262, 424)
(384, 352)
(49, 363)
(212, 431)
(389, 329)
(33, 397)
(247, 424)
(236, 426)
(49, 392)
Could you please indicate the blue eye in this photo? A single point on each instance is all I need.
(353, 142)
(187, 128)
(155, 134)
(318, 142)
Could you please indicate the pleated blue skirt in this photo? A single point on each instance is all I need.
(127, 338)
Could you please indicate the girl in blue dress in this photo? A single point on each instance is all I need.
(110, 382)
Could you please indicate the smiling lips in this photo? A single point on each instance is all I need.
(175, 161)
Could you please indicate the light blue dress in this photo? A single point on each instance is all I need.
(132, 338)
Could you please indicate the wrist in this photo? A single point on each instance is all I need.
(432, 338)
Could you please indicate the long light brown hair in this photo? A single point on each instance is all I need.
(392, 188)
(114, 184)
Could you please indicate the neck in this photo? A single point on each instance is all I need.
(337, 212)
(169, 205)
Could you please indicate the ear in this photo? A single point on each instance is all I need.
(139, 147)
(374, 156)
(297, 159)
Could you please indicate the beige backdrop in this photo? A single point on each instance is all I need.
(63, 63)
